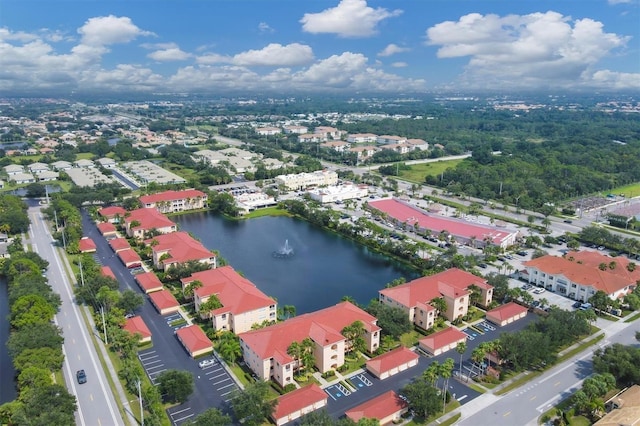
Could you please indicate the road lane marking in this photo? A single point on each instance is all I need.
(506, 414)
(556, 384)
(533, 397)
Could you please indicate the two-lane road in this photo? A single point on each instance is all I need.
(96, 404)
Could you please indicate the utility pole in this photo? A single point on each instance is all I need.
(81, 274)
(55, 215)
(140, 399)
(104, 326)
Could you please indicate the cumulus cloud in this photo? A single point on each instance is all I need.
(351, 18)
(538, 49)
(392, 49)
(107, 30)
(169, 54)
(272, 55)
(399, 64)
(619, 1)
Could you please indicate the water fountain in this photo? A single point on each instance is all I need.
(284, 252)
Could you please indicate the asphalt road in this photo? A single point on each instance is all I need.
(524, 405)
(167, 352)
(96, 404)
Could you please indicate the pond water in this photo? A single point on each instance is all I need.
(322, 268)
(7, 373)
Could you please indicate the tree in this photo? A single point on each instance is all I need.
(619, 360)
(252, 406)
(31, 309)
(353, 334)
(175, 385)
(461, 348)
(130, 301)
(446, 370)
(49, 358)
(440, 305)
(211, 417)
(229, 347)
(423, 398)
(211, 304)
(50, 405)
(317, 418)
(393, 321)
(36, 336)
(432, 372)
(295, 351)
(600, 300)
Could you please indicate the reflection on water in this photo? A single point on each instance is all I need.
(325, 267)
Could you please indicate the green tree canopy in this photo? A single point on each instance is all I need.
(175, 385)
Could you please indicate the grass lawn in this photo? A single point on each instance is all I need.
(84, 156)
(353, 365)
(267, 211)
(418, 172)
(410, 339)
(631, 190)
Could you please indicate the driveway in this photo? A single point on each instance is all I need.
(167, 352)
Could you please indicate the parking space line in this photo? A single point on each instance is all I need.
(227, 393)
(180, 411)
(226, 386)
(221, 374)
(222, 381)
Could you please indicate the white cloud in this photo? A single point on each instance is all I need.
(619, 1)
(392, 49)
(534, 50)
(263, 27)
(399, 64)
(107, 30)
(351, 18)
(169, 54)
(272, 55)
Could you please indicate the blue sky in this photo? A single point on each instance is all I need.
(338, 46)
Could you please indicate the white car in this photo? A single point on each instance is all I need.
(206, 363)
(539, 290)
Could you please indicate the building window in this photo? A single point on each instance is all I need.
(224, 316)
(334, 347)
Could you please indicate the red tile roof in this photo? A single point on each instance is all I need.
(180, 246)
(106, 227)
(379, 407)
(171, 196)
(584, 270)
(236, 293)
(149, 219)
(442, 338)
(391, 359)
(86, 244)
(323, 327)
(163, 299)
(112, 211)
(107, 272)
(148, 281)
(129, 257)
(453, 282)
(193, 338)
(118, 244)
(298, 399)
(507, 311)
(405, 213)
(136, 325)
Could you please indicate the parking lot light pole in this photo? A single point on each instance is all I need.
(140, 399)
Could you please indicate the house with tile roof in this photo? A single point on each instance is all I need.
(392, 362)
(580, 274)
(136, 325)
(107, 229)
(442, 341)
(265, 350)
(175, 201)
(119, 244)
(139, 222)
(194, 340)
(148, 282)
(453, 285)
(129, 258)
(295, 404)
(243, 304)
(506, 314)
(386, 408)
(178, 247)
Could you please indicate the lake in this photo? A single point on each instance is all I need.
(7, 372)
(324, 267)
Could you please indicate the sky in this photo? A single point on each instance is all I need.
(318, 46)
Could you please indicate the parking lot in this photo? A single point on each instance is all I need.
(152, 363)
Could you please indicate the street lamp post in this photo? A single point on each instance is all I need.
(140, 399)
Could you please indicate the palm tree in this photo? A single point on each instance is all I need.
(461, 348)
(307, 347)
(229, 348)
(440, 305)
(353, 334)
(188, 290)
(477, 356)
(446, 368)
(431, 373)
(294, 351)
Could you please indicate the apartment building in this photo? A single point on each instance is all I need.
(293, 182)
(178, 247)
(243, 304)
(265, 350)
(175, 201)
(141, 221)
(452, 285)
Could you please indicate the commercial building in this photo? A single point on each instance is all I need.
(454, 286)
(580, 274)
(146, 172)
(243, 304)
(294, 182)
(463, 232)
(175, 201)
(346, 191)
(265, 350)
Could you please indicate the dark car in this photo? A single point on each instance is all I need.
(577, 304)
(567, 221)
(81, 376)
(521, 253)
(482, 265)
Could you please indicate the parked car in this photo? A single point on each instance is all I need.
(539, 290)
(206, 363)
(577, 304)
(567, 221)
(81, 376)
(521, 253)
